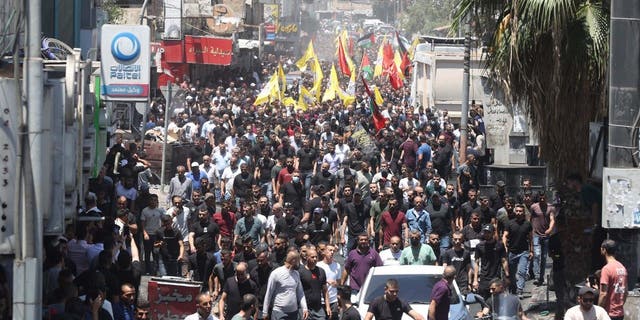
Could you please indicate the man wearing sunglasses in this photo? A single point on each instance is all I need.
(586, 308)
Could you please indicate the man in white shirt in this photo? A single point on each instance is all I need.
(180, 216)
(333, 271)
(391, 255)
(203, 311)
(586, 309)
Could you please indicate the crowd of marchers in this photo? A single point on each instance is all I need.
(270, 196)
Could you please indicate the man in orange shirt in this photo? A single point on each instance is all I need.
(613, 282)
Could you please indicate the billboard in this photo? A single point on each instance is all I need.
(208, 50)
(125, 62)
(270, 18)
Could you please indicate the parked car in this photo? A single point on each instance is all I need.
(415, 284)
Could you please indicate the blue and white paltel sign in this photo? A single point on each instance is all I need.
(125, 62)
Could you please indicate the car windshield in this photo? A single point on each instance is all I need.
(414, 288)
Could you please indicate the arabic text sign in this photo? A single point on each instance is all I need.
(172, 300)
(208, 50)
(125, 58)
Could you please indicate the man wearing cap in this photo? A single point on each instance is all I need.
(586, 308)
(490, 255)
(195, 174)
(319, 228)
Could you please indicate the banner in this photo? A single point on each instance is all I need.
(172, 299)
(288, 30)
(172, 19)
(173, 51)
(125, 62)
(270, 16)
(208, 50)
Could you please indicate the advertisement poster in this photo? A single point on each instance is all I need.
(271, 13)
(125, 62)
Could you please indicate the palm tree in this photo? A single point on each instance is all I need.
(551, 56)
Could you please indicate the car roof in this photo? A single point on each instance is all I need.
(408, 269)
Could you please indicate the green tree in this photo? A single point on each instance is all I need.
(551, 56)
(114, 12)
(423, 16)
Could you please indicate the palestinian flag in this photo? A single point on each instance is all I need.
(367, 69)
(405, 66)
(367, 40)
(379, 121)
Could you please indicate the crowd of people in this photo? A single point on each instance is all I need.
(270, 196)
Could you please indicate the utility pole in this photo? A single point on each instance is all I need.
(464, 110)
(167, 111)
(27, 267)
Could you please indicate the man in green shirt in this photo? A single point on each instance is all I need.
(417, 253)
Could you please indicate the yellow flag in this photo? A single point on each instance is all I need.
(412, 49)
(288, 101)
(332, 89)
(305, 99)
(317, 84)
(265, 94)
(282, 78)
(378, 96)
(308, 55)
(275, 93)
(377, 70)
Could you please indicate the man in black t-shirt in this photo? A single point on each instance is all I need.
(319, 228)
(389, 307)
(206, 229)
(460, 258)
(314, 284)
(306, 161)
(347, 310)
(490, 255)
(518, 238)
(242, 184)
(169, 240)
(233, 291)
(326, 179)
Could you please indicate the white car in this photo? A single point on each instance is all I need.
(415, 284)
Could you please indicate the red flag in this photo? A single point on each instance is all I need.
(342, 60)
(351, 45)
(389, 67)
(379, 121)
